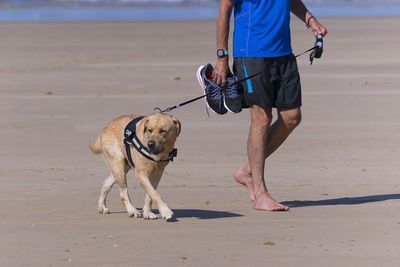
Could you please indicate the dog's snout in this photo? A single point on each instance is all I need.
(151, 144)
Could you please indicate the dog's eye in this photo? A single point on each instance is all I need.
(163, 131)
(150, 130)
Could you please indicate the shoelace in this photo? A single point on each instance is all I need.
(213, 91)
(231, 88)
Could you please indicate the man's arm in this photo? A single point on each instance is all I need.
(300, 10)
(222, 65)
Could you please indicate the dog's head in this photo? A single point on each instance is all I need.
(160, 132)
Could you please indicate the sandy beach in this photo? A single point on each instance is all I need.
(60, 83)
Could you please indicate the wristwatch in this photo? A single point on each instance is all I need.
(222, 53)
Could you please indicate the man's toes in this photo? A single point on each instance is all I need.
(283, 208)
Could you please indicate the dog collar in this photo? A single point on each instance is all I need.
(130, 138)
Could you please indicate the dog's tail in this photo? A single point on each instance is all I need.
(95, 146)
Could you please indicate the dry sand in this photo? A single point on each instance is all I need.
(339, 172)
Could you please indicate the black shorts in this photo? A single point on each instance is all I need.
(277, 85)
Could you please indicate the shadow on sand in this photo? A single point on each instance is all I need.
(341, 201)
(203, 214)
(194, 213)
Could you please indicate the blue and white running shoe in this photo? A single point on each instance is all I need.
(214, 97)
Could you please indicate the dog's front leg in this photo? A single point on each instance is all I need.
(153, 196)
(119, 170)
(147, 214)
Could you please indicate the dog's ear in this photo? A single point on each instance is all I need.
(177, 126)
(145, 122)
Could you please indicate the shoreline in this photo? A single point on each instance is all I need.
(333, 17)
(168, 13)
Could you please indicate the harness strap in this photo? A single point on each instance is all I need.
(128, 153)
(129, 131)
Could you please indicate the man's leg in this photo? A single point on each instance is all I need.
(288, 120)
(256, 149)
(277, 134)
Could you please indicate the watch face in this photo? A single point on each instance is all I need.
(222, 53)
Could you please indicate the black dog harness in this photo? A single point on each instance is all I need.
(132, 139)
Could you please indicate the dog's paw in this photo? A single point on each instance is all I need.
(166, 213)
(149, 215)
(134, 214)
(103, 210)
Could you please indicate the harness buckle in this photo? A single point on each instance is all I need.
(128, 132)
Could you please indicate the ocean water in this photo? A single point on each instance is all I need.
(120, 10)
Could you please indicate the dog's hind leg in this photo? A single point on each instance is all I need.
(119, 170)
(105, 189)
(147, 214)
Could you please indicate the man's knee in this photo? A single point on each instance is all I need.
(261, 117)
(291, 118)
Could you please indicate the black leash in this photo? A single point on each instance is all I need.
(317, 50)
(308, 50)
(181, 104)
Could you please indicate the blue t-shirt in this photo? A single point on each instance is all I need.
(262, 28)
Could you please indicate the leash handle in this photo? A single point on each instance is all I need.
(319, 48)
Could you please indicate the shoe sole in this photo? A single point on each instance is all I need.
(226, 106)
(203, 86)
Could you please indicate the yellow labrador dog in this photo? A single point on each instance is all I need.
(156, 135)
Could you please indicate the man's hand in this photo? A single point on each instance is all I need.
(221, 70)
(316, 27)
(300, 10)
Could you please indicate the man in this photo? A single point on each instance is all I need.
(262, 45)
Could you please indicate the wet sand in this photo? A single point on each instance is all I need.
(60, 83)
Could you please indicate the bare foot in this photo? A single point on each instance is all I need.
(265, 202)
(243, 177)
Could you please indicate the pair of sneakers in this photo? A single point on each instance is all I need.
(219, 99)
